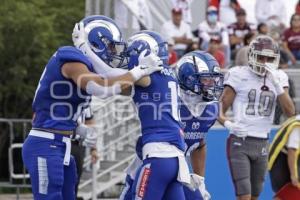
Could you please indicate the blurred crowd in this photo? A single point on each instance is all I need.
(225, 32)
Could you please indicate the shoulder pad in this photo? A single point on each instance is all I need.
(71, 54)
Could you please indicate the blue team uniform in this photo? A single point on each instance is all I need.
(155, 109)
(57, 104)
(195, 130)
(157, 177)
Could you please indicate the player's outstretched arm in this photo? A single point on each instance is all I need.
(98, 86)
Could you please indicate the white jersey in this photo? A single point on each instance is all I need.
(253, 108)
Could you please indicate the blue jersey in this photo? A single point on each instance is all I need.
(195, 128)
(158, 110)
(58, 101)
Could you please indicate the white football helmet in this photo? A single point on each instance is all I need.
(263, 49)
(98, 37)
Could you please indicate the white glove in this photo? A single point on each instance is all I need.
(147, 65)
(78, 34)
(198, 182)
(236, 129)
(274, 77)
(151, 60)
(88, 133)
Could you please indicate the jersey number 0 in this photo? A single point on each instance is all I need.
(265, 105)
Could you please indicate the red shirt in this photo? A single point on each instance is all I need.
(172, 57)
(292, 38)
(220, 57)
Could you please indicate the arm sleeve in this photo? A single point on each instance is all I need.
(284, 79)
(232, 79)
(71, 54)
(95, 89)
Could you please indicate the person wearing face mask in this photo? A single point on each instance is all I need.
(238, 30)
(212, 27)
(252, 91)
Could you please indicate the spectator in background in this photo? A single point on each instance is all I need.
(271, 12)
(214, 50)
(172, 54)
(262, 29)
(238, 30)
(227, 9)
(247, 145)
(284, 58)
(139, 15)
(241, 58)
(212, 27)
(283, 64)
(291, 39)
(179, 31)
(185, 6)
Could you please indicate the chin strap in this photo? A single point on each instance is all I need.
(265, 87)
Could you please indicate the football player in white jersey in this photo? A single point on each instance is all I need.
(252, 92)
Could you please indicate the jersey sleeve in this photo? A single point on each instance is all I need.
(284, 79)
(232, 79)
(71, 54)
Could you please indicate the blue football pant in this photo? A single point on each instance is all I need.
(127, 190)
(157, 179)
(192, 195)
(188, 193)
(50, 178)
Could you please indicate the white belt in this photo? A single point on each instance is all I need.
(133, 167)
(166, 150)
(67, 140)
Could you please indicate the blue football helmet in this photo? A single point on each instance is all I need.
(199, 72)
(103, 37)
(149, 40)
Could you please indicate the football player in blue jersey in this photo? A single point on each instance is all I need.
(200, 83)
(156, 97)
(131, 170)
(69, 79)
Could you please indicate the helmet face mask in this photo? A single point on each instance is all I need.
(263, 50)
(200, 73)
